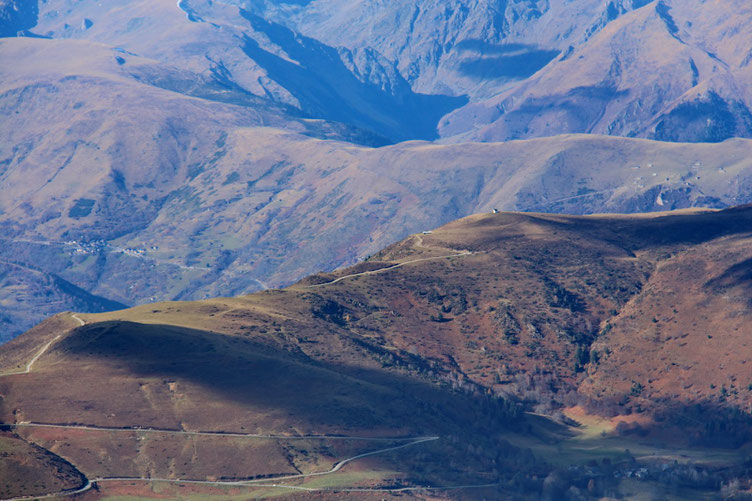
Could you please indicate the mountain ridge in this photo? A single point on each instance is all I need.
(608, 84)
(473, 321)
(164, 191)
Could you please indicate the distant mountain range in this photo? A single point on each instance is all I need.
(666, 70)
(240, 51)
(136, 190)
(671, 71)
(154, 150)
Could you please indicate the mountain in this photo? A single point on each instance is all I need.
(17, 16)
(400, 69)
(87, 108)
(29, 294)
(671, 71)
(153, 187)
(229, 46)
(667, 70)
(156, 151)
(632, 325)
(475, 47)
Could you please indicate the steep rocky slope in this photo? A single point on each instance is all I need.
(662, 69)
(228, 45)
(457, 47)
(672, 71)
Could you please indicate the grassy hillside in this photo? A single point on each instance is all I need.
(28, 470)
(432, 349)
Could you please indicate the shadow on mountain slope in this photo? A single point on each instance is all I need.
(511, 61)
(17, 16)
(228, 374)
(337, 94)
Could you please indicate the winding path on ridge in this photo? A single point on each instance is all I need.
(398, 265)
(410, 441)
(42, 351)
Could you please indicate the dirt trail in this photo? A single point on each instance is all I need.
(398, 265)
(236, 483)
(41, 352)
(137, 429)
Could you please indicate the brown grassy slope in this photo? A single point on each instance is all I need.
(243, 372)
(536, 290)
(520, 292)
(166, 455)
(28, 470)
(686, 337)
(517, 308)
(215, 377)
(22, 349)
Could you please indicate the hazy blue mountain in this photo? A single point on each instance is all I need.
(234, 47)
(671, 71)
(29, 295)
(665, 69)
(475, 47)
